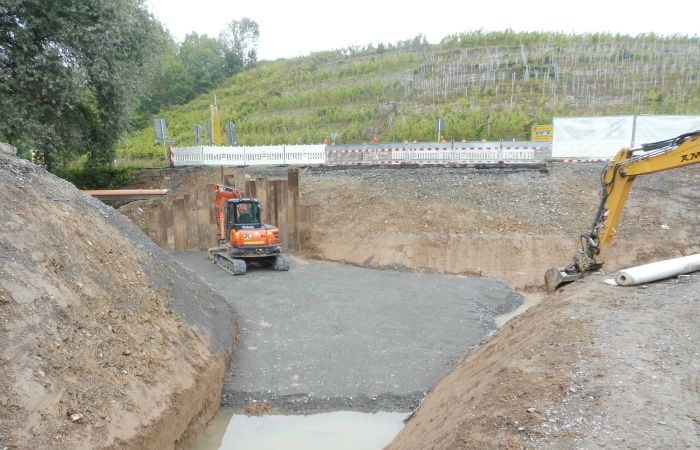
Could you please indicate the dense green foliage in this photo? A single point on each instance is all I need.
(76, 75)
(240, 43)
(71, 74)
(197, 65)
(486, 85)
(97, 177)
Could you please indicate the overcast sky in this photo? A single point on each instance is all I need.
(297, 28)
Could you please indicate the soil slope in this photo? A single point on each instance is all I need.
(107, 342)
(592, 366)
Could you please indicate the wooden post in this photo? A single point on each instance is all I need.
(168, 228)
(213, 227)
(155, 226)
(261, 191)
(293, 208)
(180, 225)
(192, 231)
(250, 189)
(304, 225)
(282, 222)
(206, 238)
(272, 202)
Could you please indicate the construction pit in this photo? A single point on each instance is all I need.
(111, 342)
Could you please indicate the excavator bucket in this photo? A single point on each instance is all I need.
(556, 278)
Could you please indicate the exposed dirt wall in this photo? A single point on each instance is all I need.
(517, 260)
(187, 414)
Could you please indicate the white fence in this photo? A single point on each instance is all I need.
(247, 156)
(371, 154)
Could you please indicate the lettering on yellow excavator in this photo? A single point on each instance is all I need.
(690, 156)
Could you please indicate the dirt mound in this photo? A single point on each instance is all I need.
(107, 341)
(592, 366)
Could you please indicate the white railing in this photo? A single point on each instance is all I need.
(248, 156)
(371, 154)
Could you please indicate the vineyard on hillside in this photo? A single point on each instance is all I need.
(485, 85)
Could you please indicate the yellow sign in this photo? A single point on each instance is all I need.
(542, 132)
(215, 132)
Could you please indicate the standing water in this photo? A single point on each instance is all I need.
(337, 430)
(530, 301)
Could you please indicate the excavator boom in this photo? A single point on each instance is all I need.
(616, 180)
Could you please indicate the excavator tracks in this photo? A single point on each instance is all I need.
(280, 263)
(235, 266)
(231, 265)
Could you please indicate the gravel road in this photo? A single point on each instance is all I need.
(327, 336)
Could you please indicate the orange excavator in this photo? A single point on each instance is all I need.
(241, 235)
(617, 179)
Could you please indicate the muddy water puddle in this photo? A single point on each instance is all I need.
(338, 430)
(530, 301)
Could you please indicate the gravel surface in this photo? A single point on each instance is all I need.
(326, 336)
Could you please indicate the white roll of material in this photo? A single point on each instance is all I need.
(658, 270)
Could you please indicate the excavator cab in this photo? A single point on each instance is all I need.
(243, 212)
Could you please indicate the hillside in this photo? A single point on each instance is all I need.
(485, 85)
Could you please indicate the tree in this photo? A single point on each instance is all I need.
(171, 85)
(240, 42)
(71, 73)
(202, 58)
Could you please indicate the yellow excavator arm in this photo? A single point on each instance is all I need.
(617, 179)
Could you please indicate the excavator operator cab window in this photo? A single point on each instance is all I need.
(243, 213)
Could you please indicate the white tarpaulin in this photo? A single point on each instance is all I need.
(603, 137)
(591, 137)
(660, 128)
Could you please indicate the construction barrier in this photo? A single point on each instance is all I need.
(247, 156)
(186, 156)
(359, 154)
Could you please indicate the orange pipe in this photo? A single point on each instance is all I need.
(126, 194)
